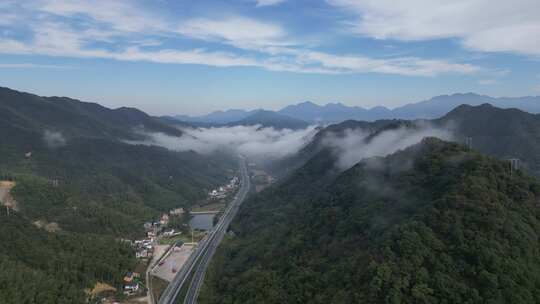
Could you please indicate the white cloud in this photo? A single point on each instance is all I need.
(195, 56)
(268, 2)
(536, 88)
(253, 141)
(237, 31)
(121, 30)
(118, 15)
(409, 66)
(484, 25)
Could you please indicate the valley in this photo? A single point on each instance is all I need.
(269, 152)
(318, 214)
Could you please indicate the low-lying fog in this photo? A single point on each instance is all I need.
(267, 144)
(356, 144)
(254, 142)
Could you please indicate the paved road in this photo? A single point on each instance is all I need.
(205, 249)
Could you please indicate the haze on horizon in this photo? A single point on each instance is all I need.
(195, 57)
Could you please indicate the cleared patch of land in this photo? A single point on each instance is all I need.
(173, 262)
(49, 227)
(100, 288)
(5, 195)
(184, 238)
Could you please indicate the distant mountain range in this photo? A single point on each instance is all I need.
(271, 119)
(337, 112)
(218, 117)
(233, 118)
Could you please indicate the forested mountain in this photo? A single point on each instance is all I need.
(83, 146)
(74, 168)
(288, 164)
(434, 223)
(72, 117)
(54, 268)
(503, 133)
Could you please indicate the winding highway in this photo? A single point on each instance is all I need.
(200, 259)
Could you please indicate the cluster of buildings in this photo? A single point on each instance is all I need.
(222, 192)
(144, 249)
(131, 283)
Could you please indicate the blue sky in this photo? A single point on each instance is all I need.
(192, 57)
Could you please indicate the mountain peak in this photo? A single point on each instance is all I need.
(336, 105)
(308, 103)
(468, 94)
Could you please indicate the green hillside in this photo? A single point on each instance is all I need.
(75, 170)
(99, 173)
(435, 223)
(504, 133)
(53, 268)
(290, 163)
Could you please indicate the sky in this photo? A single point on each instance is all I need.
(193, 57)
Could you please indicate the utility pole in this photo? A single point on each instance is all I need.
(514, 164)
(468, 142)
(6, 203)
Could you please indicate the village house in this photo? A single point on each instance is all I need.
(131, 283)
(177, 211)
(147, 226)
(164, 220)
(168, 232)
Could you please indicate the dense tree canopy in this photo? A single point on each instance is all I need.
(42, 267)
(81, 185)
(434, 223)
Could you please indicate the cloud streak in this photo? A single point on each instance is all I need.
(268, 2)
